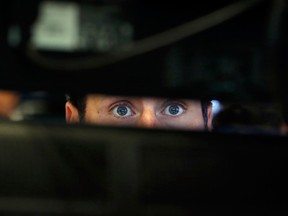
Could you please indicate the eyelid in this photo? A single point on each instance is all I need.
(170, 102)
(177, 102)
(122, 103)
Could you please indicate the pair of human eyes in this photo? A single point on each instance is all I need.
(124, 110)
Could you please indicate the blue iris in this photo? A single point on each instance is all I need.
(174, 109)
(122, 110)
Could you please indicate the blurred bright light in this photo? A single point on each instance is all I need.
(216, 107)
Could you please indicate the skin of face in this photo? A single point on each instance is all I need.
(141, 112)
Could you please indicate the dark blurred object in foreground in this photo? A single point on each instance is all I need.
(74, 170)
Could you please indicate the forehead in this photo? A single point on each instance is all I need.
(101, 99)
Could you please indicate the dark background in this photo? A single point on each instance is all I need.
(233, 61)
(243, 59)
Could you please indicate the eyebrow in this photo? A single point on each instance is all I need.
(177, 99)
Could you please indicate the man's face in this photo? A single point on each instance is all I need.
(141, 112)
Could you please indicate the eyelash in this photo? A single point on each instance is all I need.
(123, 103)
(170, 103)
(129, 106)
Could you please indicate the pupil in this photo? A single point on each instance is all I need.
(122, 110)
(174, 109)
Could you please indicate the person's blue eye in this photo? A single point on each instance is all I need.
(122, 111)
(173, 110)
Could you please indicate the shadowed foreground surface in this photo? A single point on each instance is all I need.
(87, 170)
